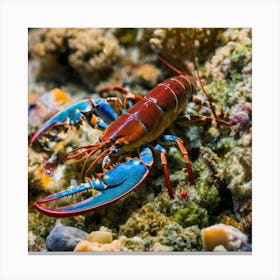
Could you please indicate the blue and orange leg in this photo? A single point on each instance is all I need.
(165, 169)
(172, 139)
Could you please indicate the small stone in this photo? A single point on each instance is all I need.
(220, 248)
(158, 247)
(100, 236)
(117, 245)
(64, 238)
(86, 246)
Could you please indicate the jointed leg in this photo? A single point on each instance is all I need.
(165, 169)
(179, 141)
(129, 98)
(187, 120)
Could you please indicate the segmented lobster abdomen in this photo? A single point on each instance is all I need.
(148, 118)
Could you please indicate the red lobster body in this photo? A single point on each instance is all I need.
(148, 118)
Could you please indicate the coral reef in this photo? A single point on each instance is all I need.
(65, 64)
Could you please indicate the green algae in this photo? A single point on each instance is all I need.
(192, 215)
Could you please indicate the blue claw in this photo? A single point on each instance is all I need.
(111, 186)
(75, 114)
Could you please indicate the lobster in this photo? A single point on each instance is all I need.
(139, 127)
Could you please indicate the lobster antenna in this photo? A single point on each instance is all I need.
(200, 81)
(169, 65)
(176, 70)
(102, 155)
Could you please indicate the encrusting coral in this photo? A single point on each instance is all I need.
(89, 52)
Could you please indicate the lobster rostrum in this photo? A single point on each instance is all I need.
(139, 127)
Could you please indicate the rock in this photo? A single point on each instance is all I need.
(100, 236)
(220, 234)
(87, 246)
(220, 248)
(64, 238)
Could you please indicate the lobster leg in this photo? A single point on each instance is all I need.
(195, 119)
(165, 169)
(108, 187)
(192, 119)
(179, 141)
(97, 112)
(129, 98)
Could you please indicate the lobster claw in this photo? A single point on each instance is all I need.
(109, 187)
(76, 113)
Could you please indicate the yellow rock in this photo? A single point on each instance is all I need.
(116, 244)
(100, 236)
(221, 234)
(87, 246)
(83, 246)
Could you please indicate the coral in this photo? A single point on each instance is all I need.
(166, 40)
(231, 238)
(91, 53)
(147, 74)
(192, 215)
(94, 52)
(181, 239)
(157, 247)
(35, 243)
(46, 105)
(127, 36)
(146, 221)
(239, 179)
(135, 243)
(230, 69)
(228, 218)
(36, 176)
